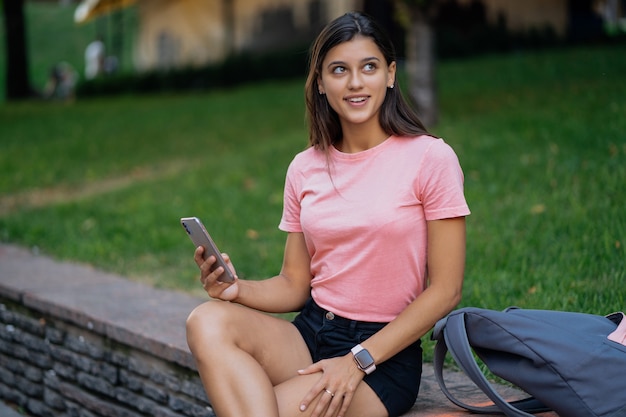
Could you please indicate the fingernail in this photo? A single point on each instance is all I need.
(302, 407)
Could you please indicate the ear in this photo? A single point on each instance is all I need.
(320, 87)
(391, 74)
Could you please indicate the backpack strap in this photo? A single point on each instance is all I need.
(451, 335)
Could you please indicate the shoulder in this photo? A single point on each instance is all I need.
(308, 154)
(428, 156)
(306, 158)
(440, 149)
(425, 145)
(303, 163)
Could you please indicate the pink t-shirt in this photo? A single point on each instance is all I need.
(363, 216)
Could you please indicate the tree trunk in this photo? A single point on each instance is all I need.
(17, 83)
(420, 62)
(228, 16)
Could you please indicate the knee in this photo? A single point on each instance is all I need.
(208, 320)
(194, 321)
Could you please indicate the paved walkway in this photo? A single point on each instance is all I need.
(433, 403)
(6, 411)
(19, 268)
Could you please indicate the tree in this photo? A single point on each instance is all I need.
(415, 16)
(17, 82)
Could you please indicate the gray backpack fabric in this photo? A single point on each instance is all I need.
(562, 359)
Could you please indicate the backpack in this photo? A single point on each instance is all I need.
(564, 360)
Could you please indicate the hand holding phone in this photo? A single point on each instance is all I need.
(200, 237)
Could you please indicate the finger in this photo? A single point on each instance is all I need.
(209, 277)
(311, 369)
(197, 255)
(345, 403)
(334, 403)
(313, 393)
(205, 269)
(325, 405)
(229, 263)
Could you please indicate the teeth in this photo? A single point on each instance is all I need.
(357, 100)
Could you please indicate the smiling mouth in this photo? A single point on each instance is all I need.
(356, 99)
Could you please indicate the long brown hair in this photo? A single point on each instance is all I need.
(396, 116)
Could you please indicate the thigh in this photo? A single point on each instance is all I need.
(273, 342)
(365, 402)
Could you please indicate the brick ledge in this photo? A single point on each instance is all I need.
(145, 318)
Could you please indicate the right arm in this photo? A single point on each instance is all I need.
(282, 293)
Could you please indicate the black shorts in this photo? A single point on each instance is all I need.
(396, 381)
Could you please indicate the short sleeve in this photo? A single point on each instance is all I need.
(441, 183)
(290, 221)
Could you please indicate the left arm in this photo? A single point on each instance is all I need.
(446, 267)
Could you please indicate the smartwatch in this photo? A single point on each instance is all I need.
(363, 359)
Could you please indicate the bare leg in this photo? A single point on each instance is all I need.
(248, 364)
(241, 354)
(364, 404)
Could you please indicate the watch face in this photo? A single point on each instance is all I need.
(364, 359)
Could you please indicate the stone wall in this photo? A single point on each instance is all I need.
(77, 342)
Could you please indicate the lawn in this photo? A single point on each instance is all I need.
(108, 180)
(540, 137)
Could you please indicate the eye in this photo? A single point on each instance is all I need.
(338, 70)
(369, 67)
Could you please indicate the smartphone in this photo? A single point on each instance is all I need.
(200, 237)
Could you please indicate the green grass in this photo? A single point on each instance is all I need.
(220, 156)
(542, 144)
(540, 137)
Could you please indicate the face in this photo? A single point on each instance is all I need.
(355, 77)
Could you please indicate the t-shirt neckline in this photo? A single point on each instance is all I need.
(337, 154)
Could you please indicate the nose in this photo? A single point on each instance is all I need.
(355, 81)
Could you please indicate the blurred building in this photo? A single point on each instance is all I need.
(181, 33)
(176, 33)
(523, 15)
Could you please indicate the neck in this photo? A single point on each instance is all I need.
(360, 138)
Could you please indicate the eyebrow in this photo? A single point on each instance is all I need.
(371, 58)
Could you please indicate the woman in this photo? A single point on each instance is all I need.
(367, 207)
